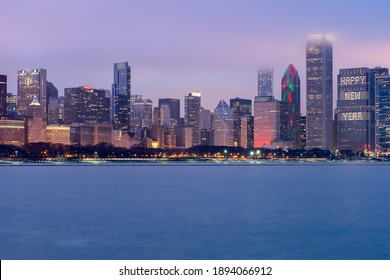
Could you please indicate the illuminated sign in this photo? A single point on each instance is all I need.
(353, 80)
(353, 95)
(355, 116)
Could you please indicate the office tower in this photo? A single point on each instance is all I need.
(356, 109)
(85, 104)
(265, 82)
(319, 92)
(246, 135)
(165, 115)
(303, 132)
(156, 117)
(192, 115)
(56, 110)
(11, 106)
(51, 93)
(223, 125)
(3, 96)
(382, 94)
(12, 132)
(121, 95)
(32, 84)
(205, 119)
(290, 108)
(266, 115)
(241, 108)
(380, 71)
(143, 114)
(36, 123)
(174, 107)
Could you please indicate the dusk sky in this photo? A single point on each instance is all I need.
(175, 47)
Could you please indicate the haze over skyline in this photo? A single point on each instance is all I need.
(175, 47)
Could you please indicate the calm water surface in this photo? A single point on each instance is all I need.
(195, 211)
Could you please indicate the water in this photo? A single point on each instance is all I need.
(195, 211)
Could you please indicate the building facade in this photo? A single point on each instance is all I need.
(319, 92)
(174, 107)
(86, 105)
(192, 107)
(241, 108)
(266, 121)
(355, 109)
(382, 137)
(223, 125)
(121, 95)
(265, 82)
(290, 108)
(32, 84)
(12, 132)
(3, 96)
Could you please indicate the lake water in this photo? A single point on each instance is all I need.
(195, 211)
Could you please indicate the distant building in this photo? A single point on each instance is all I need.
(290, 108)
(247, 132)
(165, 115)
(90, 134)
(143, 114)
(192, 115)
(11, 106)
(121, 96)
(12, 132)
(319, 92)
(383, 113)
(265, 82)
(241, 108)
(36, 123)
(303, 132)
(223, 125)
(356, 109)
(51, 93)
(58, 134)
(3, 96)
(266, 121)
(86, 105)
(56, 110)
(32, 84)
(205, 119)
(174, 107)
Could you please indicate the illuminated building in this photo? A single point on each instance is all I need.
(11, 106)
(303, 131)
(12, 132)
(36, 123)
(174, 107)
(319, 92)
(3, 96)
(90, 134)
(290, 108)
(120, 138)
(143, 114)
(58, 134)
(356, 109)
(86, 105)
(246, 134)
(165, 115)
(265, 82)
(192, 115)
(266, 121)
(121, 95)
(223, 125)
(32, 84)
(382, 89)
(241, 108)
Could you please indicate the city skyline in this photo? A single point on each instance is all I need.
(176, 48)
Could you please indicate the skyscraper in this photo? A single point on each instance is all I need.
(192, 115)
(356, 109)
(36, 123)
(265, 82)
(290, 108)
(266, 115)
(121, 92)
(382, 88)
(241, 108)
(319, 92)
(174, 107)
(86, 105)
(3, 96)
(223, 128)
(32, 84)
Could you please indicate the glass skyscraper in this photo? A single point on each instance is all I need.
(241, 108)
(32, 84)
(382, 88)
(265, 82)
(290, 108)
(174, 107)
(319, 92)
(192, 115)
(121, 92)
(223, 128)
(355, 109)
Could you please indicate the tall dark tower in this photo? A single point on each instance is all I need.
(3, 96)
(319, 92)
(290, 108)
(192, 115)
(241, 108)
(121, 92)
